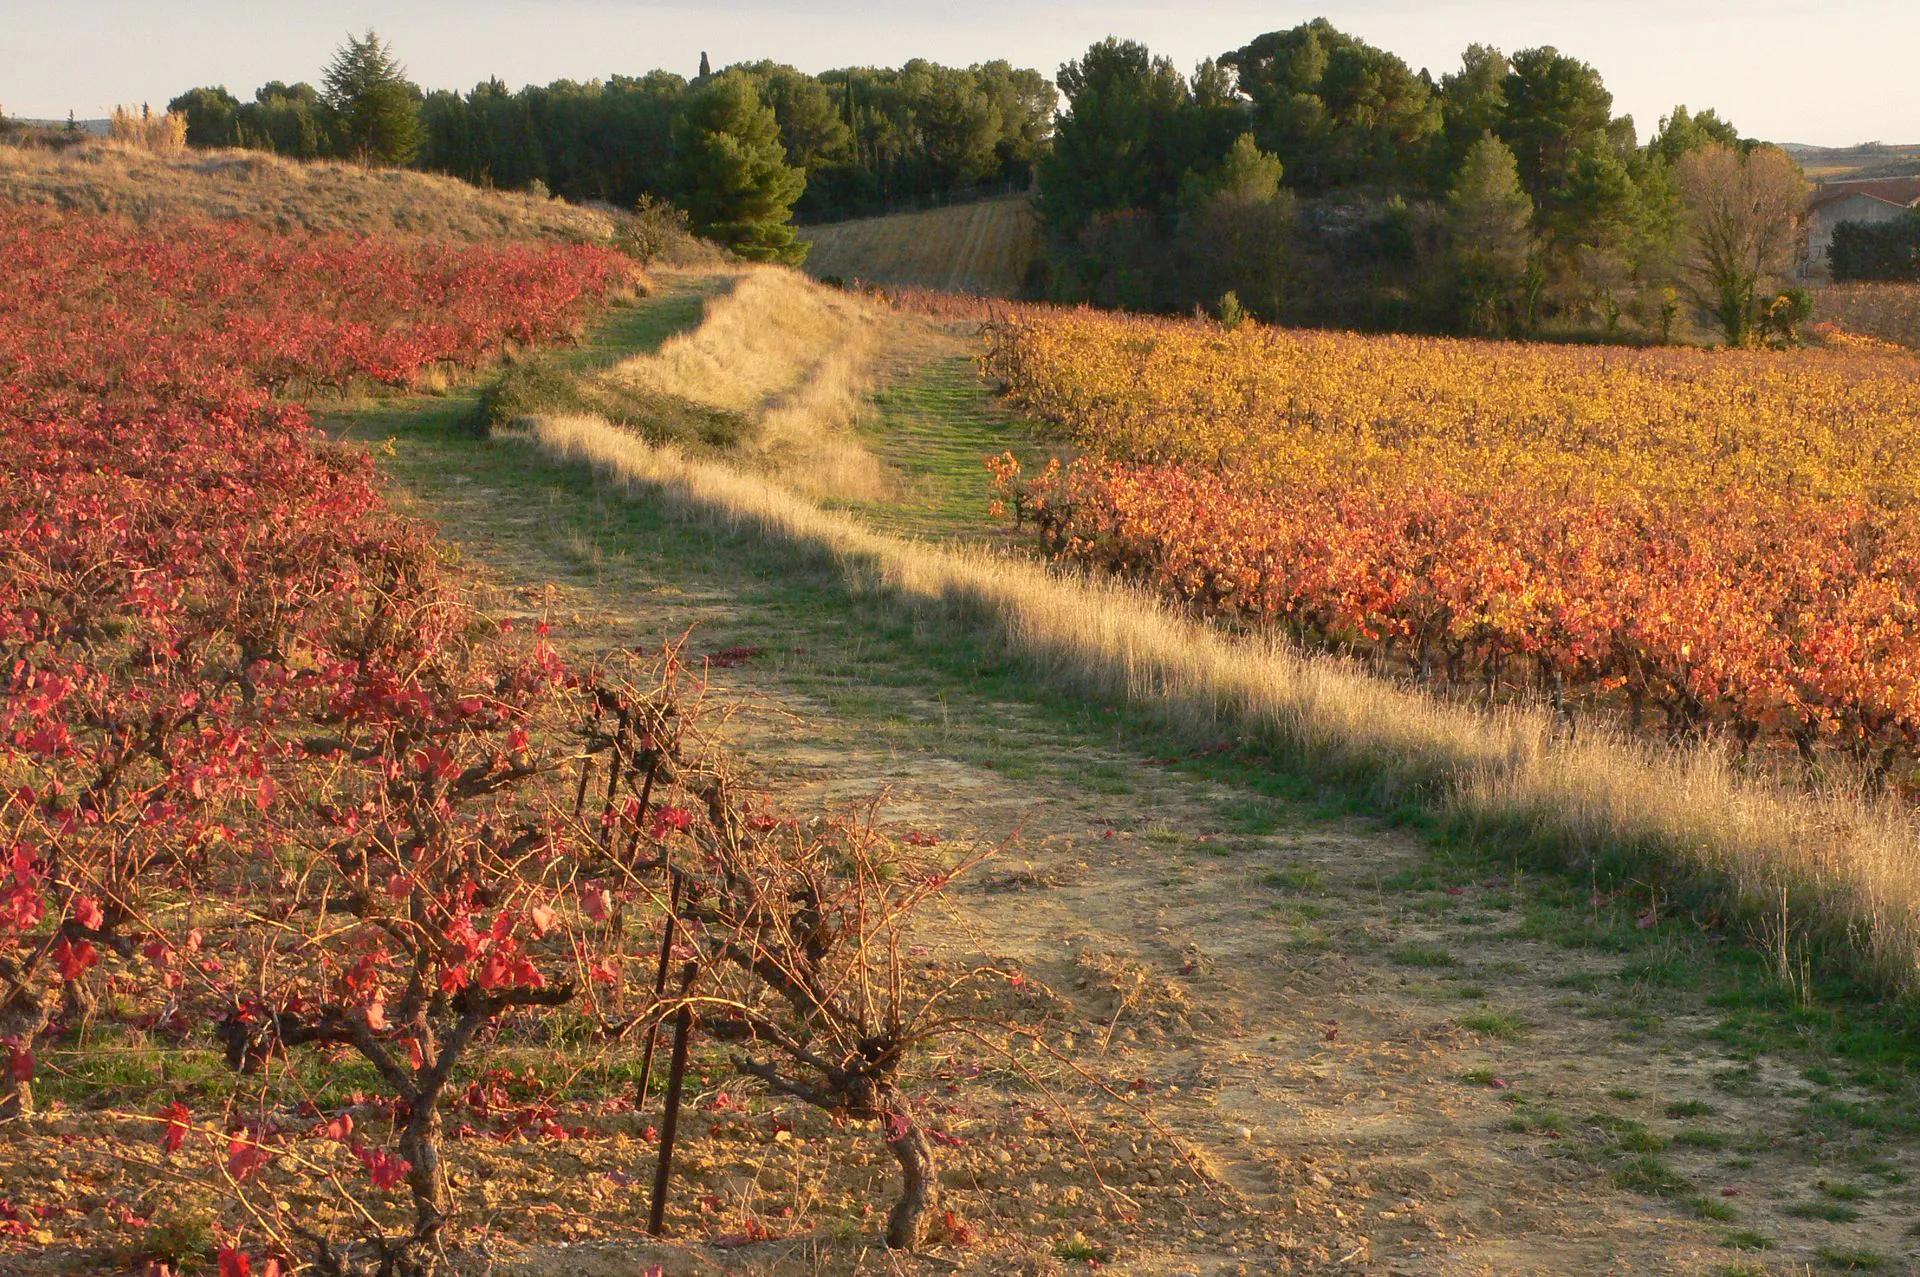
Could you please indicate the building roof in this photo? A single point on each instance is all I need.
(1901, 191)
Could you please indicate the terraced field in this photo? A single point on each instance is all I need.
(982, 248)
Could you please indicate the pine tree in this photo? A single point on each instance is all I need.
(376, 109)
(731, 174)
(1490, 222)
(706, 67)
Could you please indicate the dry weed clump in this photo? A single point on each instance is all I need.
(159, 134)
(1838, 865)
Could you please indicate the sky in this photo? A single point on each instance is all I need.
(1832, 73)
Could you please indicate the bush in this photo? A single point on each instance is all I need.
(658, 230)
(528, 388)
(1232, 313)
(1877, 250)
(1783, 315)
(539, 387)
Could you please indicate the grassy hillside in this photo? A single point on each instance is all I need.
(972, 248)
(252, 186)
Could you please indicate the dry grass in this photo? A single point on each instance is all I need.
(1829, 865)
(795, 360)
(164, 134)
(983, 248)
(105, 177)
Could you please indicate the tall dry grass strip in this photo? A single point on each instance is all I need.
(798, 361)
(1839, 868)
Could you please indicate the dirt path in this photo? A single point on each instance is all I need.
(1359, 1054)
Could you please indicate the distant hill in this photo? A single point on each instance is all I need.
(982, 248)
(1869, 159)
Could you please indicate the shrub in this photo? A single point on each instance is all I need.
(1883, 251)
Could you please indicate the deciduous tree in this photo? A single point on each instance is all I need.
(1742, 225)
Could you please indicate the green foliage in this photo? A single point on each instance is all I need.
(1232, 313)
(1490, 227)
(289, 120)
(1782, 316)
(1245, 175)
(1556, 107)
(1473, 101)
(1119, 146)
(730, 171)
(1877, 250)
(1682, 133)
(212, 115)
(811, 128)
(376, 109)
(1335, 108)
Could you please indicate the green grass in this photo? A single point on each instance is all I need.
(1703, 1139)
(1689, 1108)
(1714, 1208)
(1746, 1239)
(1845, 1192)
(1648, 1174)
(935, 428)
(1297, 879)
(1078, 1249)
(1530, 1120)
(1628, 1135)
(1831, 1212)
(1495, 1024)
(1852, 1259)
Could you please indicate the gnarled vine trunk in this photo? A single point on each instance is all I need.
(920, 1184)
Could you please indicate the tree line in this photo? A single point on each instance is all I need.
(1307, 177)
(744, 150)
(1321, 179)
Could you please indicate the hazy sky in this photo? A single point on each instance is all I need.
(1836, 73)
